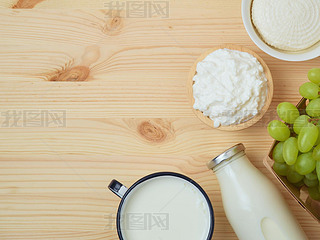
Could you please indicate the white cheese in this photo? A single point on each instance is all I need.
(230, 87)
(287, 24)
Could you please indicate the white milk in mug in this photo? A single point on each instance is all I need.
(163, 206)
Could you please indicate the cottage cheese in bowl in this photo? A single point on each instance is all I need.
(290, 25)
(230, 87)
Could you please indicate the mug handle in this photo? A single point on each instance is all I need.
(117, 188)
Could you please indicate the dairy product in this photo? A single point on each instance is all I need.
(287, 24)
(230, 87)
(165, 208)
(253, 205)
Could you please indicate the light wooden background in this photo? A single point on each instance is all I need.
(127, 111)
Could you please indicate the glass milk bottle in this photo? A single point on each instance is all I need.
(253, 205)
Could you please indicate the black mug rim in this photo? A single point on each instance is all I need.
(158, 174)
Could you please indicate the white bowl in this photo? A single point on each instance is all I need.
(307, 54)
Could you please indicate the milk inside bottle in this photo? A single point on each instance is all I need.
(253, 205)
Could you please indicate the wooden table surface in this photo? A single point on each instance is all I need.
(88, 95)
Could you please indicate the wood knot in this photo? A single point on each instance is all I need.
(26, 3)
(75, 74)
(155, 130)
(113, 25)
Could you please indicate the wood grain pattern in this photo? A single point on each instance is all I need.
(122, 84)
(243, 125)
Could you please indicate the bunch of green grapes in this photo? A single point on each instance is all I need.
(297, 154)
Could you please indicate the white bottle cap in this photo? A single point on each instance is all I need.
(226, 155)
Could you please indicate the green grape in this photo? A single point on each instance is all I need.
(314, 75)
(318, 139)
(287, 112)
(305, 164)
(281, 168)
(300, 122)
(290, 150)
(316, 153)
(310, 183)
(312, 176)
(307, 137)
(314, 193)
(278, 130)
(277, 155)
(294, 177)
(318, 169)
(292, 168)
(309, 90)
(313, 108)
(299, 184)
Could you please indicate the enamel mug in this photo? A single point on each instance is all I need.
(163, 206)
